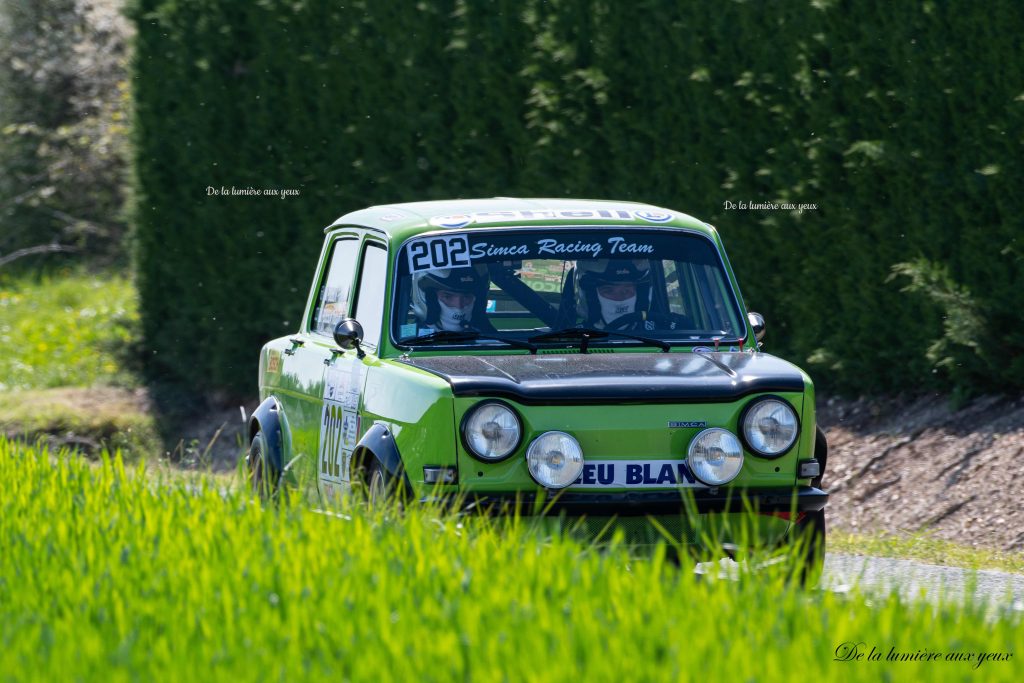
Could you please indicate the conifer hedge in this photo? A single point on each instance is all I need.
(902, 123)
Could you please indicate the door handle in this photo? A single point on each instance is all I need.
(296, 342)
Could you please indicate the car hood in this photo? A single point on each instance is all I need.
(614, 377)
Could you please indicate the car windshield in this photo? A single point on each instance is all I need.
(544, 285)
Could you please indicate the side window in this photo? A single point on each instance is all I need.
(332, 302)
(694, 304)
(719, 291)
(370, 295)
(672, 290)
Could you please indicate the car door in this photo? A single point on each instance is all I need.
(305, 355)
(345, 377)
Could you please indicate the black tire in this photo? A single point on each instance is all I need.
(381, 488)
(377, 488)
(261, 473)
(810, 534)
(821, 454)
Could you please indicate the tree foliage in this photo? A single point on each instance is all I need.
(901, 123)
(63, 128)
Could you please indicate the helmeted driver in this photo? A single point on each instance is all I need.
(450, 298)
(613, 294)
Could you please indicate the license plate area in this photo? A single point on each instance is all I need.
(636, 474)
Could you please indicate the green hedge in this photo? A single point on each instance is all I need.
(903, 123)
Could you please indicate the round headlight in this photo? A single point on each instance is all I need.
(555, 460)
(491, 431)
(715, 456)
(770, 427)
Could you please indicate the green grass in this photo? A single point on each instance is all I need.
(924, 547)
(69, 331)
(109, 574)
(63, 346)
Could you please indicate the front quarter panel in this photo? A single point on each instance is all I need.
(417, 408)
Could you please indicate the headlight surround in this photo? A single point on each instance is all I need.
(769, 426)
(715, 456)
(555, 460)
(491, 431)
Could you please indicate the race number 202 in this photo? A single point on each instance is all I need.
(438, 252)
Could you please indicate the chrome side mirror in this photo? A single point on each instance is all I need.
(757, 322)
(348, 334)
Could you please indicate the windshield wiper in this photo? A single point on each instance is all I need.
(586, 334)
(464, 335)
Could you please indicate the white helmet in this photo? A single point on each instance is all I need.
(592, 274)
(469, 280)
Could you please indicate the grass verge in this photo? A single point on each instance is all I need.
(64, 347)
(107, 575)
(69, 331)
(89, 419)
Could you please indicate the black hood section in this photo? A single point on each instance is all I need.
(614, 377)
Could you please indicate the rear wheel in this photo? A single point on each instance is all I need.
(261, 475)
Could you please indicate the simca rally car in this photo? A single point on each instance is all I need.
(590, 361)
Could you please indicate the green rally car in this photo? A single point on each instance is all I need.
(595, 356)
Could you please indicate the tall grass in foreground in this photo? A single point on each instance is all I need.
(109, 575)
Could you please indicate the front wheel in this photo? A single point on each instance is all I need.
(381, 488)
(376, 485)
(809, 537)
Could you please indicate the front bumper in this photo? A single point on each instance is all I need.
(633, 503)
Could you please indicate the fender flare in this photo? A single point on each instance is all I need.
(268, 418)
(379, 443)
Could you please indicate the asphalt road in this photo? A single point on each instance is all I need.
(1001, 592)
(917, 580)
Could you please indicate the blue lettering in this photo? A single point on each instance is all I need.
(685, 474)
(588, 474)
(648, 479)
(634, 474)
(666, 476)
(606, 474)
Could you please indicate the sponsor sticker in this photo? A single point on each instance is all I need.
(455, 221)
(436, 253)
(464, 219)
(273, 361)
(643, 474)
(340, 422)
(653, 216)
(455, 251)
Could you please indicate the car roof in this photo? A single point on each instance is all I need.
(401, 221)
